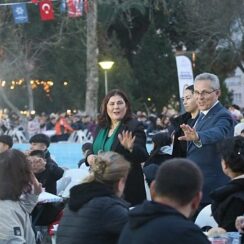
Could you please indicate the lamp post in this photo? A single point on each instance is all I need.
(106, 65)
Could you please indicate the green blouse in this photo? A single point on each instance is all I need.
(103, 143)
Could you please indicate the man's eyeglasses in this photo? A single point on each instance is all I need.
(203, 93)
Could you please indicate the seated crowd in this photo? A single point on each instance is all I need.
(183, 174)
(96, 211)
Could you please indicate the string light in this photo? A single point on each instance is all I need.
(46, 85)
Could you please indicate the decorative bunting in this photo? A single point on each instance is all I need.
(20, 13)
(63, 6)
(75, 8)
(46, 10)
(85, 3)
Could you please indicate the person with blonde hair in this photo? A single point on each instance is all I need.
(95, 212)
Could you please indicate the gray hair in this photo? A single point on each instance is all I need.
(208, 76)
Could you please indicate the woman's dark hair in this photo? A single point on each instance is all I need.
(15, 174)
(160, 140)
(232, 151)
(191, 88)
(103, 118)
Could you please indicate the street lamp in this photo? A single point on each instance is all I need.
(106, 65)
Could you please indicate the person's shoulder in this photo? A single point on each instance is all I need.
(108, 201)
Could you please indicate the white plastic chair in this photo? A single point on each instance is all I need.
(76, 175)
(80, 136)
(62, 184)
(205, 218)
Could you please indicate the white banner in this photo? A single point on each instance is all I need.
(185, 74)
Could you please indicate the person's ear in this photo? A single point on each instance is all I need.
(196, 201)
(218, 92)
(121, 186)
(152, 189)
(224, 166)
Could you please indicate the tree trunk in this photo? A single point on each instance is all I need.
(92, 68)
(29, 66)
(30, 95)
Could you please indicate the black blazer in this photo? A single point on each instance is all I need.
(134, 190)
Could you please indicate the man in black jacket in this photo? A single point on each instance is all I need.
(52, 172)
(176, 193)
(47, 177)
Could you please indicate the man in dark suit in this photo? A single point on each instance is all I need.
(213, 125)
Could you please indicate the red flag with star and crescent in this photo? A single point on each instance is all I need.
(46, 10)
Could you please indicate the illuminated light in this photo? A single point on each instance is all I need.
(68, 111)
(12, 87)
(32, 112)
(106, 65)
(32, 82)
(65, 83)
(13, 82)
(74, 111)
(3, 83)
(50, 83)
(149, 99)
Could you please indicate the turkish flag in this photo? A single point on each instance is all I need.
(46, 10)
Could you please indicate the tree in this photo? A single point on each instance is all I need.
(91, 57)
(155, 69)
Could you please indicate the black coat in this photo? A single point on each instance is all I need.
(134, 190)
(93, 215)
(228, 203)
(180, 147)
(48, 178)
(152, 164)
(50, 175)
(156, 223)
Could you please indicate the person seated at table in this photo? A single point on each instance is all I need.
(86, 148)
(19, 190)
(228, 200)
(45, 174)
(95, 212)
(52, 172)
(6, 142)
(176, 194)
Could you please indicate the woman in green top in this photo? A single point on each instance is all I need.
(118, 131)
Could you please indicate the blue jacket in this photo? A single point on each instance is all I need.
(213, 128)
